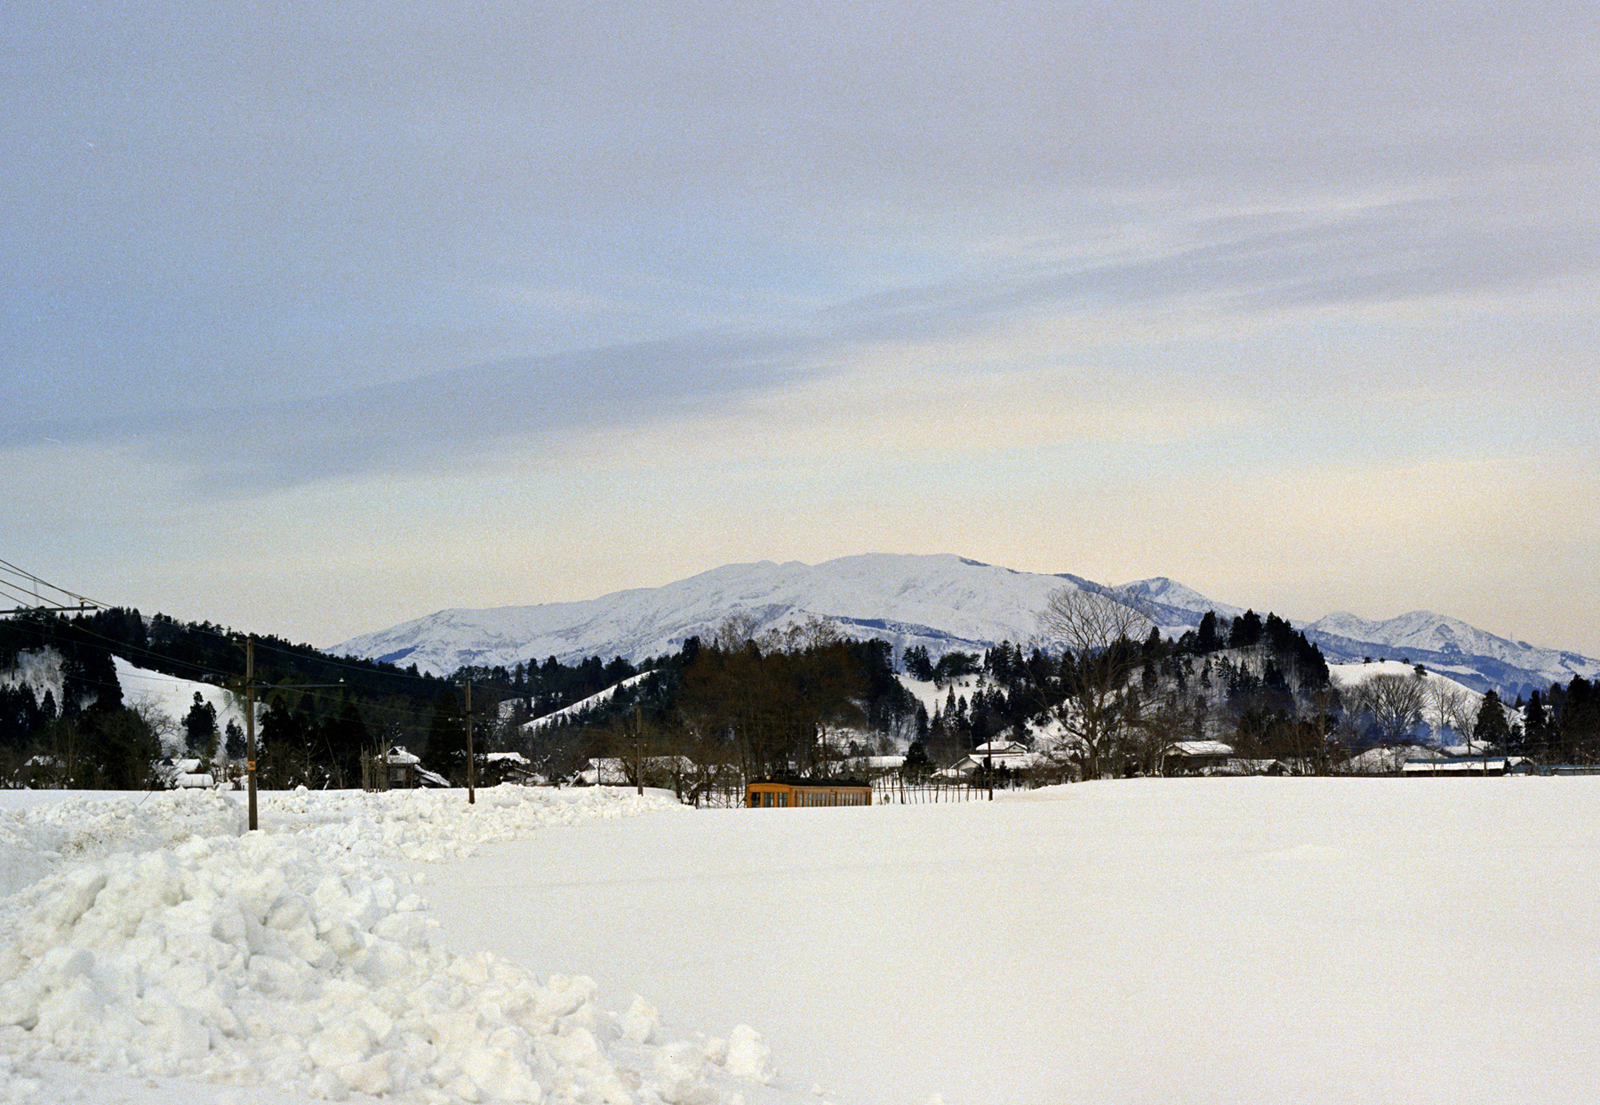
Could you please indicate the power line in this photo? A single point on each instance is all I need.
(232, 680)
(68, 600)
(21, 585)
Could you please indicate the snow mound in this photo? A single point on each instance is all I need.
(165, 941)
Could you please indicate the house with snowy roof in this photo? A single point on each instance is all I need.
(396, 769)
(1456, 765)
(1007, 755)
(1194, 757)
(185, 774)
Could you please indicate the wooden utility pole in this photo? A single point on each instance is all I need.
(472, 768)
(250, 723)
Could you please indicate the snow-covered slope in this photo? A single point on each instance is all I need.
(583, 705)
(169, 695)
(1472, 656)
(1167, 593)
(142, 688)
(941, 602)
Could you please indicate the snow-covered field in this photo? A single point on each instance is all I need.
(1204, 940)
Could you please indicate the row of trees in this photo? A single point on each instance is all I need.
(735, 706)
(802, 700)
(1107, 697)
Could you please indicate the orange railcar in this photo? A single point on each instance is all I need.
(791, 793)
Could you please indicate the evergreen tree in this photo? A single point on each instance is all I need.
(447, 736)
(344, 738)
(200, 727)
(1536, 735)
(918, 664)
(282, 748)
(233, 744)
(1490, 728)
(1247, 630)
(121, 748)
(917, 763)
(1579, 721)
(20, 716)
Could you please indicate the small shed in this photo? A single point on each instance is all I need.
(1193, 757)
(185, 774)
(398, 769)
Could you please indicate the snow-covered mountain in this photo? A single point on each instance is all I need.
(1162, 592)
(940, 602)
(1470, 655)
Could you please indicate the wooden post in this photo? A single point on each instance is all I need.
(472, 769)
(250, 723)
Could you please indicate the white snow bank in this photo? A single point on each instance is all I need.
(163, 940)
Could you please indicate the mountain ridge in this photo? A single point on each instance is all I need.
(939, 601)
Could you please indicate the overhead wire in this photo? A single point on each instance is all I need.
(38, 581)
(208, 674)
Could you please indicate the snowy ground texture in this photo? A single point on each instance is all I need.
(156, 938)
(1207, 940)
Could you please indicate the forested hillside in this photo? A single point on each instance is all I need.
(66, 720)
(742, 703)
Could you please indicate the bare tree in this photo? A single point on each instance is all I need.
(1392, 703)
(1162, 724)
(1318, 742)
(811, 633)
(1096, 634)
(1451, 706)
(737, 630)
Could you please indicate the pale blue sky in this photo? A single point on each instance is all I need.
(318, 317)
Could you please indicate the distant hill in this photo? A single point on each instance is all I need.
(1478, 659)
(940, 602)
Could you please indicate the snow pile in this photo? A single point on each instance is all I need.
(176, 944)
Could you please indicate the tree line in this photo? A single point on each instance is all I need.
(318, 712)
(1105, 695)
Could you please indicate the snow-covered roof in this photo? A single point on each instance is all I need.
(1199, 748)
(1009, 760)
(998, 748)
(1468, 765)
(881, 763)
